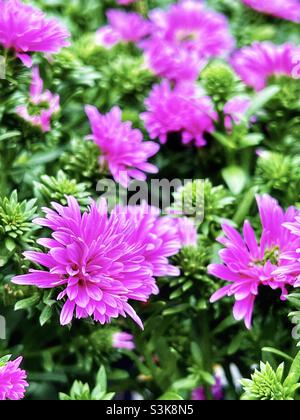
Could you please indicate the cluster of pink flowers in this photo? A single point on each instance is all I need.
(100, 261)
(47, 104)
(284, 9)
(181, 109)
(122, 27)
(257, 63)
(183, 37)
(12, 380)
(247, 264)
(26, 29)
(122, 147)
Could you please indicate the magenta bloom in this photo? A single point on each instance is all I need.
(100, 262)
(235, 110)
(247, 264)
(122, 26)
(26, 29)
(47, 102)
(187, 231)
(173, 62)
(284, 9)
(123, 340)
(257, 63)
(178, 110)
(217, 393)
(183, 37)
(122, 147)
(292, 257)
(12, 381)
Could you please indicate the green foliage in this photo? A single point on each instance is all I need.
(57, 188)
(267, 384)
(81, 391)
(200, 198)
(15, 224)
(219, 81)
(82, 160)
(279, 175)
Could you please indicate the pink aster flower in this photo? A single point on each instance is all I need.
(122, 26)
(247, 264)
(173, 62)
(235, 110)
(161, 237)
(122, 147)
(26, 29)
(184, 36)
(257, 63)
(181, 109)
(217, 393)
(12, 381)
(123, 340)
(44, 103)
(284, 9)
(292, 257)
(100, 262)
(187, 231)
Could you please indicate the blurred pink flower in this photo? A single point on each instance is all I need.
(235, 110)
(122, 27)
(122, 147)
(26, 29)
(182, 39)
(123, 340)
(47, 104)
(285, 9)
(102, 261)
(12, 381)
(187, 231)
(257, 63)
(173, 62)
(247, 264)
(217, 392)
(182, 110)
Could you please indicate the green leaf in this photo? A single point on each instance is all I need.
(10, 135)
(277, 353)
(294, 373)
(261, 99)
(236, 178)
(5, 359)
(10, 245)
(102, 379)
(45, 315)
(27, 303)
(170, 396)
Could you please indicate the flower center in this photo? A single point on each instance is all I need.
(34, 109)
(272, 255)
(185, 36)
